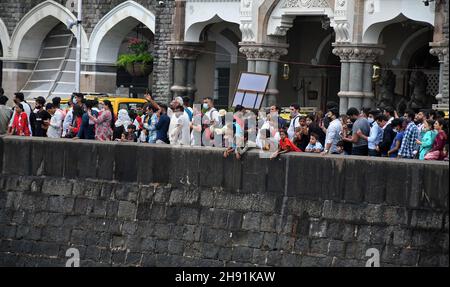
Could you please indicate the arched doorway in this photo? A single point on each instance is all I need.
(42, 48)
(408, 65)
(109, 40)
(219, 66)
(314, 71)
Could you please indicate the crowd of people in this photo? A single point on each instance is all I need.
(419, 134)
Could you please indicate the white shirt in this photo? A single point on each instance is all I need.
(185, 130)
(67, 122)
(295, 123)
(213, 115)
(275, 137)
(181, 132)
(55, 128)
(333, 134)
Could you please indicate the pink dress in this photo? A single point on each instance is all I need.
(103, 130)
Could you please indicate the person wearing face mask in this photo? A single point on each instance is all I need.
(333, 135)
(427, 140)
(398, 128)
(375, 135)
(42, 116)
(210, 111)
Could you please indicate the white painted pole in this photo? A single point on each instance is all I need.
(78, 56)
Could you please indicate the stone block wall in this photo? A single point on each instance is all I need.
(139, 205)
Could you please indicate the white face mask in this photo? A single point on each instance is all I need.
(395, 130)
(371, 120)
(205, 106)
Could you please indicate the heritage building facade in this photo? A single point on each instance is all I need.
(316, 50)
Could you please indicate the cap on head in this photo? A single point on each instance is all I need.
(179, 100)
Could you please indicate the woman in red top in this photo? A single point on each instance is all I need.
(20, 125)
(74, 128)
(285, 145)
(437, 151)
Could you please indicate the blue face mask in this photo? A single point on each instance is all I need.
(371, 120)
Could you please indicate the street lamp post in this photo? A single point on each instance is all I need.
(78, 56)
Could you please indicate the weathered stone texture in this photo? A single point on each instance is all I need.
(124, 220)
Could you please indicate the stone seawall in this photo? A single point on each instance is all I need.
(139, 205)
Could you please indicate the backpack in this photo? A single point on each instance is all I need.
(190, 114)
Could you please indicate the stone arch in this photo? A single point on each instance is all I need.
(194, 31)
(281, 14)
(318, 59)
(34, 27)
(372, 33)
(4, 37)
(110, 31)
(224, 42)
(409, 47)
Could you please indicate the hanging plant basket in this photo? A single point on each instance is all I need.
(139, 69)
(139, 62)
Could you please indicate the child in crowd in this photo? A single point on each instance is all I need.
(340, 147)
(285, 145)
(314, 145)
(445, 152)
(130, 134)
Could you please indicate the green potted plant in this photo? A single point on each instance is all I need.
(139, 62)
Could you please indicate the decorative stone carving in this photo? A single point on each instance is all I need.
(246, 3)
(358, 53)
(439, 52)
(342, 32)
(418, 83)
(183, 50)
(246, 28)
(370, 8)
(305, 4)
(264, 53)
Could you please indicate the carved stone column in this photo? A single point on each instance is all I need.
(184, 59)
(440, 50)
(264, 59)
(356, 74)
